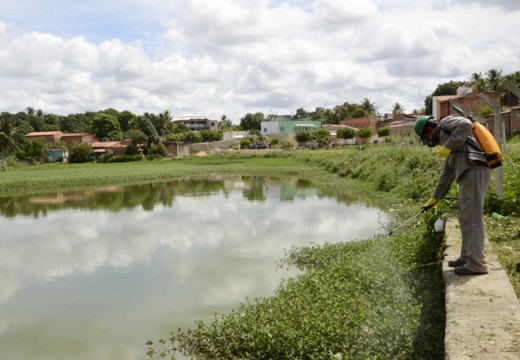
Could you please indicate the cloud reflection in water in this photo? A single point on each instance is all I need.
(99, 282)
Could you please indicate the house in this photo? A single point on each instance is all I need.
(197, 122)
(442, 106)
(68, 139)
(116, 147)
(364, 122)
(402, 123)
(48, 136)
(288, 127)
(235, 136)
(79, 138)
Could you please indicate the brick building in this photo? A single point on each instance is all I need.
(442, 106)
(79, 138)
(362, 122)
(48, 136)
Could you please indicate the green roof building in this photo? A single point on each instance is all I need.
(278, 127)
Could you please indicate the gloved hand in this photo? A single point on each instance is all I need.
(444, 152)
(429, 204)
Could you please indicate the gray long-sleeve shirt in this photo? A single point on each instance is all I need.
(456, 135)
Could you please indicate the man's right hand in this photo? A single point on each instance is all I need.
(429, 204)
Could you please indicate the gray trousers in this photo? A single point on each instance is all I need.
(473, 186)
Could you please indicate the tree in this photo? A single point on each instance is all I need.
(74, 123)
(158, 149)
(175, 137)
(477, 82)
(164, 123)
(51, 122)
(384, 131)
(105, 127)
(318, 114)
(302, 137)
(137, 136)
(144, 124)
(449, 88)
(33, 118)
(346, 133)
(494, 79)
(34, 150)
(131, 150)
(192, 137)
(322, 136)
(80, 153)
(126, 119)
(369, 106)
(252, 121)
(365, 134)
(342, 112)
(245, 143)
(8, 143)
(300, 114)
(398, 108)
(179, 128)
(210, 135)
(225, 123)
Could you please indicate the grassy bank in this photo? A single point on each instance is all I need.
(52, 177)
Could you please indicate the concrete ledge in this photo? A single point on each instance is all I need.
(482, 312)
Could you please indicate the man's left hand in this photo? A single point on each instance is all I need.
(444, 152)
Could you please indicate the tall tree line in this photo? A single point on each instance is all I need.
(148, 129)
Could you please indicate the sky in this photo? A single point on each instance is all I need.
(233, 57)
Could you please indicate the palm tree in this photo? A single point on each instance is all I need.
(494, 79)
(225, 122)
(8, 143)
(398, 108)
(164, 123)
(369, 106)
(477, 82)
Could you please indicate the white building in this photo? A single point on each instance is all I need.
(197, 122)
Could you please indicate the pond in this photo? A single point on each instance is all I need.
(95, 274)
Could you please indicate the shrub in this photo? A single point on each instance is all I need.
(245, 143)
(80, 153)
(158, 150)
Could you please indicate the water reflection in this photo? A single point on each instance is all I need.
(97, 273)
(147, 196)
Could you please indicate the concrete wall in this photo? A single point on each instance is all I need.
(208, 146)
(511, 120)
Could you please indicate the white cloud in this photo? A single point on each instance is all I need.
(508, 5)
(344, 12)
(236, 56)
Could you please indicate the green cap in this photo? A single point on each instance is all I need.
(421, 123)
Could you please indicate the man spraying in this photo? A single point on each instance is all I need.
(468, 166)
